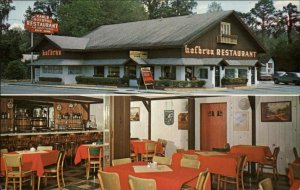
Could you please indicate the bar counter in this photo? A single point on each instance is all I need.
(47, 133)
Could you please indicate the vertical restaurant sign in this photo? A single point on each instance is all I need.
(147, 76)
(41, 24)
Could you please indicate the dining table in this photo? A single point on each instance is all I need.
(138, 147)
(255, 153)
(82, 152)
(216, 162)
(34, 160)
(168, 177)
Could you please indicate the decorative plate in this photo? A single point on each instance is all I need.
(58, 107)
(10, 105)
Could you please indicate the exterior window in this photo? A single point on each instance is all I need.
(203, 73)
(74, 70)
(229, 73)
(242, 73)
(270, 65)
(113, 71)
(169, 72)
(225, 28)
(99, 71)
(52, 69)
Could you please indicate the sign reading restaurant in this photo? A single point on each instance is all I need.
(41, 24)
(197, 50)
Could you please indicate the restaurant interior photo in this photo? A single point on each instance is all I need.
(150, 142)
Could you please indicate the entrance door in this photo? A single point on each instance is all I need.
(213, 129)
(252, 75)
(217, 76)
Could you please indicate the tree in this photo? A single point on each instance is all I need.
(81, 16)
(169, 8)
(263, 13)
(5, 8)
(16, 70)
(291, 16)
(214, 7)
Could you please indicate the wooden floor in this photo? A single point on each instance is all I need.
(75, 180)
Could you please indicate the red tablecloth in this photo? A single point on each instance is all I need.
(36, 161)
(164, 180)
(138, 146)
(224, 164)
(254, 153)
(82, 152)
(295, 185)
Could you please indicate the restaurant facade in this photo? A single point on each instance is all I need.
(196, 47)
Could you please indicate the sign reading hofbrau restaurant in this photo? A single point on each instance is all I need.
(197, 50)
(41, 24)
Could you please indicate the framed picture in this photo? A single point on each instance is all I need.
(135, 114)
(183, 122)
(276, 111)
(169, 117)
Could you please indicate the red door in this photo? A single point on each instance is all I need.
(213, 129)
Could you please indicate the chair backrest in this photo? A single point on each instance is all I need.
(121, 161)
(109, 180)
(12, 160)
(202, 180)
(294, 170)
(94, 151)
(3, 151)
(163, 142)
(178, 150)
(136, 183)
(190, 156)
(227, 147)
(275, 153)
(265, 184)
(62, 159)
(44, 148)
(162, 160)
(188, 163)
(150, 147)
(295, 152)
(242, 161)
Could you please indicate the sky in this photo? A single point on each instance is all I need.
(17, 16)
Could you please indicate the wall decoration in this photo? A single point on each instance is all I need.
(276, 111)
(183, 122)
(241, 121)
(169, 117)
(135, 114)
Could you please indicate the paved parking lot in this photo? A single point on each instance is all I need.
(264, 88)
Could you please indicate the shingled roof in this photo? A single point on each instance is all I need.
(157, 33)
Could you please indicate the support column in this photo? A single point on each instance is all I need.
(157, 72)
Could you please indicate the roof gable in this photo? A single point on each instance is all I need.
(71, 43)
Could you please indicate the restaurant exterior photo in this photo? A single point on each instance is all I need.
(206, 47)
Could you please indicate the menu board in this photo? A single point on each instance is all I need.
(147, 76)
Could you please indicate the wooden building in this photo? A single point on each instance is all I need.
(205, 46)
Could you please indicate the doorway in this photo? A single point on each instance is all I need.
(217, 76)
(213, 125)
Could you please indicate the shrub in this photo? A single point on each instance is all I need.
(178, 83)
(234, 81)
(16, 70)
(50, 79)
(99, 80)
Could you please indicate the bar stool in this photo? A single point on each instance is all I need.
(72, 152)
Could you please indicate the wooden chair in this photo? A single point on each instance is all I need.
(190, 156)
(202, 180)
(294, 171)
(178, 150)
(162, 160)
(121, 161)
(18, 175)
(269, 163)
(295, 153)
(136, 183)
(93, 160)
(265, 184)
(188, 163)
(109, 180)
(3, 151)
(163, 143)
(236, 179)
(150, 151)
(133, 156)
(227, 147)
(44, 148)
(55, 171)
